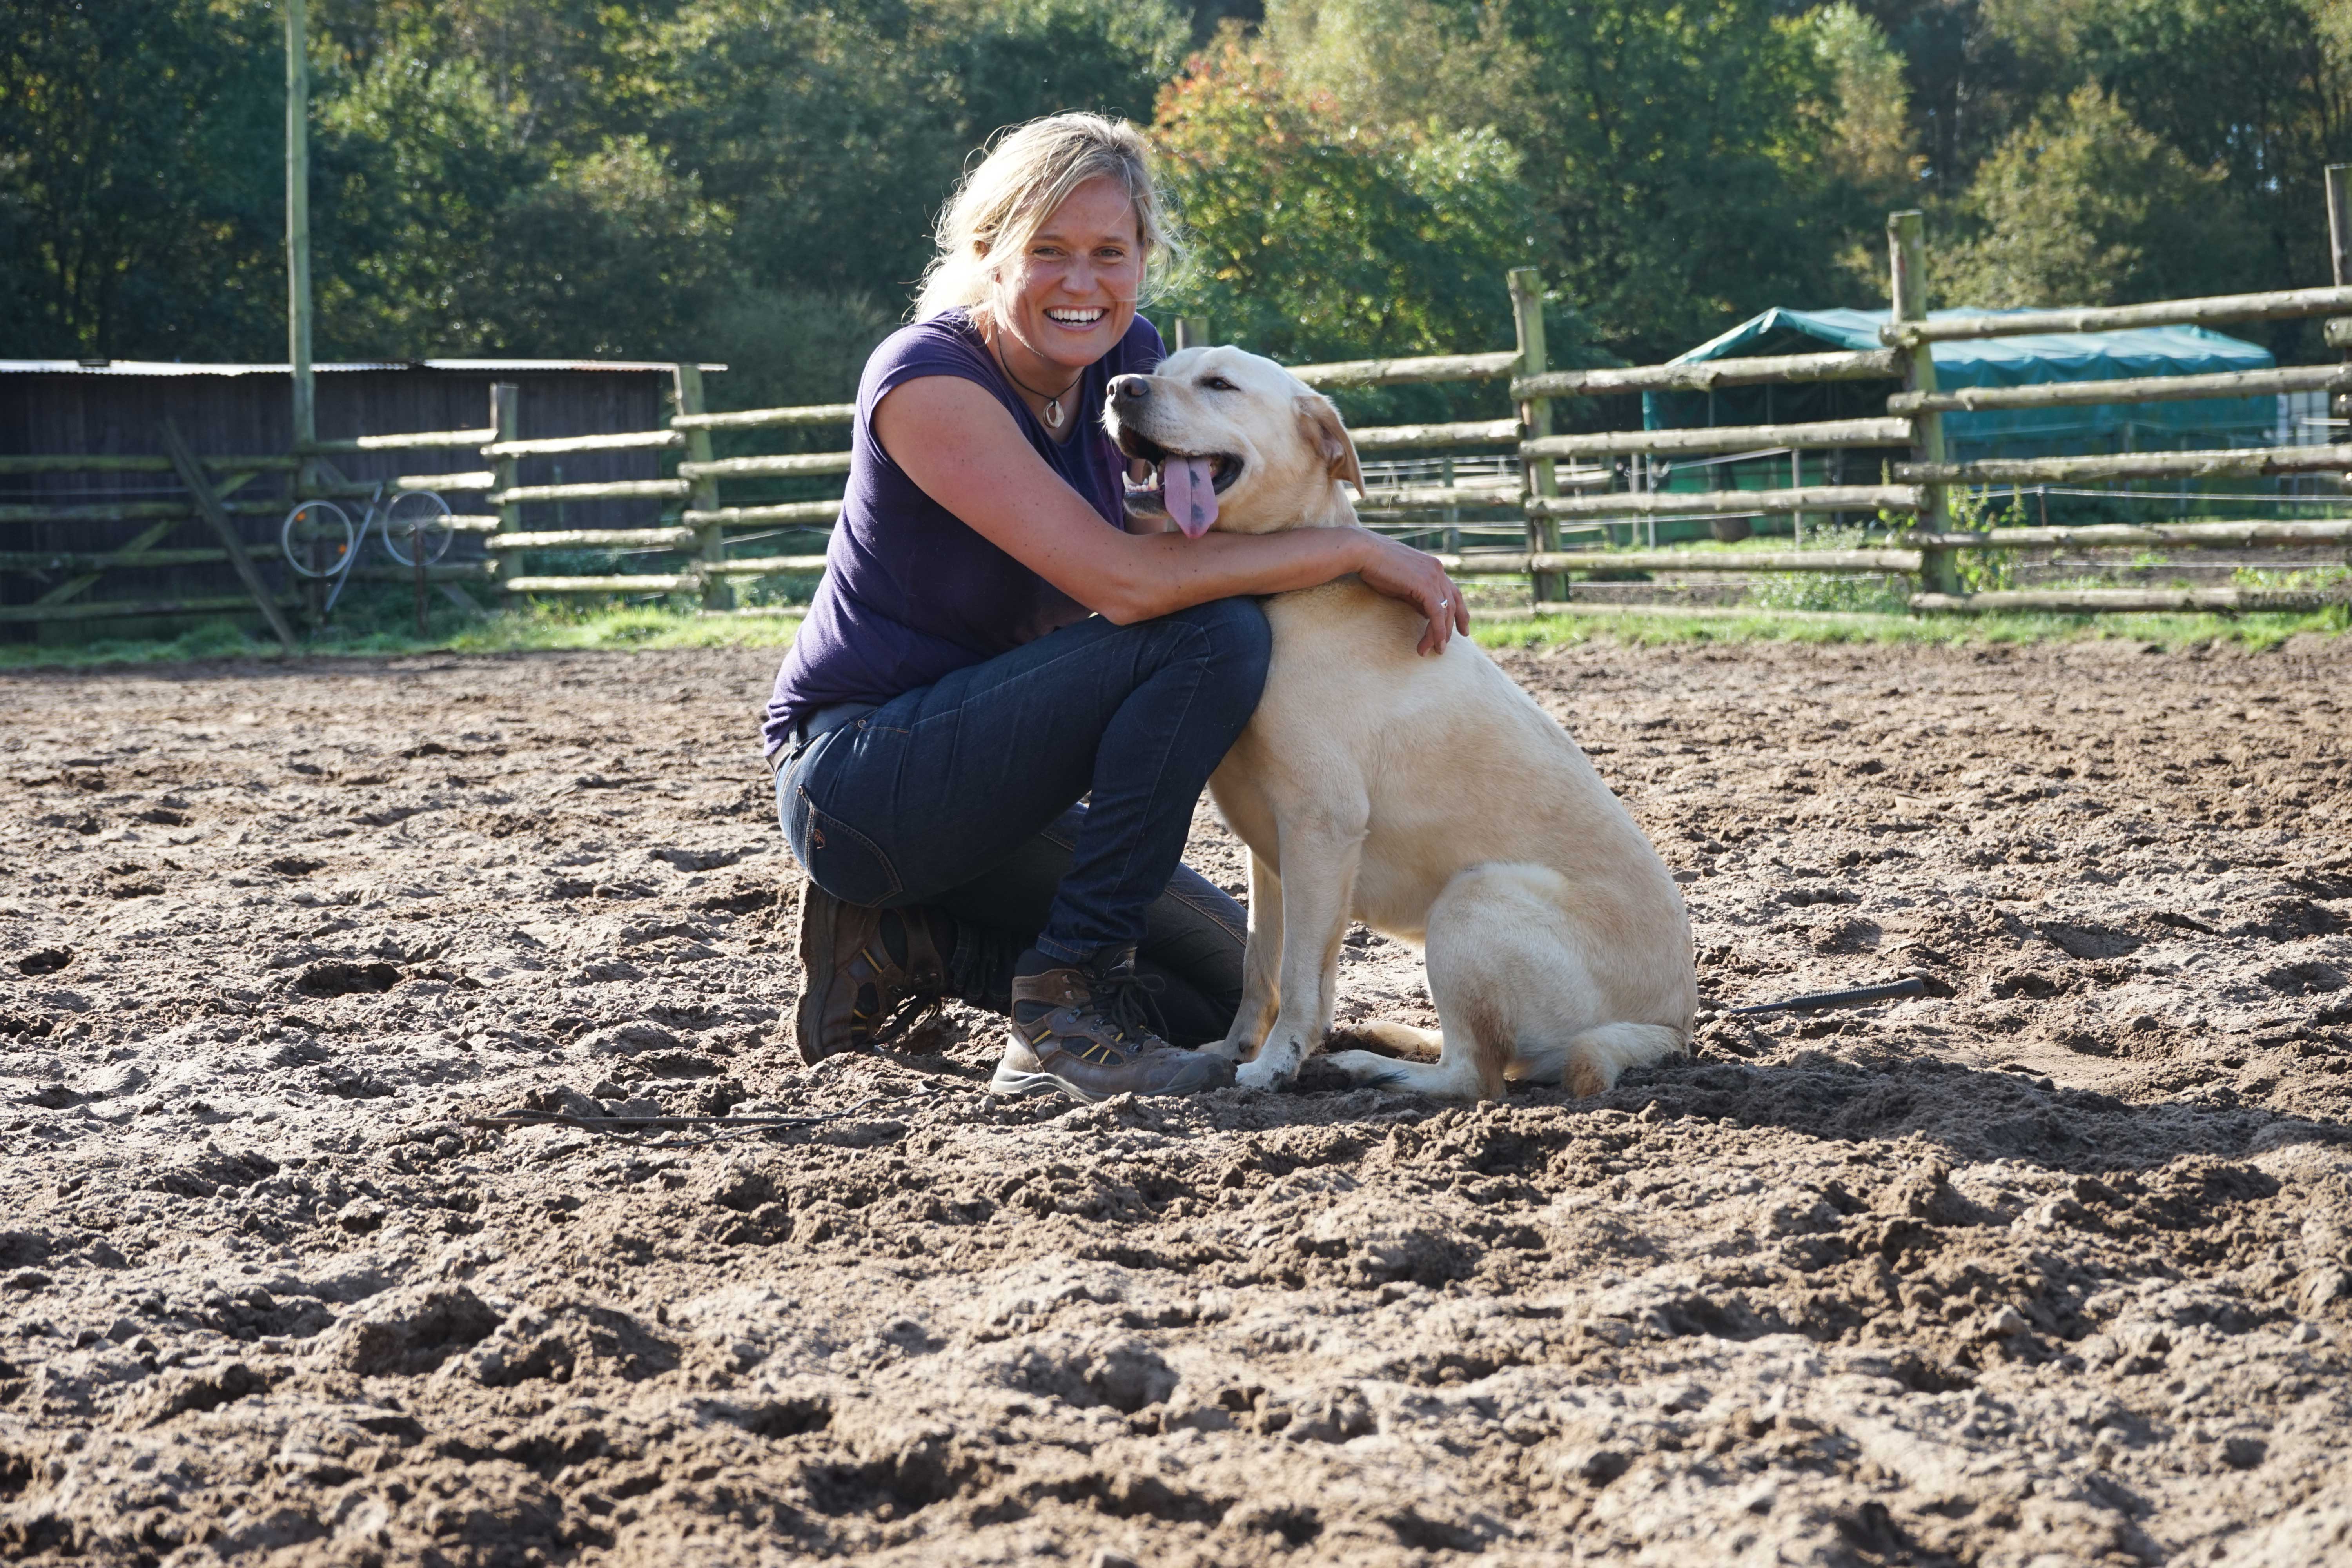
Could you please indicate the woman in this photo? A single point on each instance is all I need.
(991, 643)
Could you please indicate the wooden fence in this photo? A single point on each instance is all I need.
(1920, 542)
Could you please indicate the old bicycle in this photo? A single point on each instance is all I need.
(321, 541)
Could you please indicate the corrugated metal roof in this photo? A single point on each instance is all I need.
(173, 367)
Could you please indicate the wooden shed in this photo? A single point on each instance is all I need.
(66, 409)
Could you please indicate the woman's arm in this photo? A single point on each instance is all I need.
(958, 444)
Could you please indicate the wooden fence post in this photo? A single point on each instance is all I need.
(1906, 252)
(506, 418)
(2339, 258)
(297, 224)
(1191, 331)
(709, 539)
(1538, 477)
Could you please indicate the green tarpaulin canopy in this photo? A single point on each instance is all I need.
(2029, 359)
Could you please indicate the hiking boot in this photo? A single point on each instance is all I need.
(871, 975)
(1081, 1029)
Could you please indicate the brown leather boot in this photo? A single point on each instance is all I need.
(860, 988)
(1079, 1030)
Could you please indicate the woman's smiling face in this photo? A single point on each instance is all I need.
(1070, 297)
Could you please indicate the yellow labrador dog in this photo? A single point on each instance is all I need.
(1428, 797)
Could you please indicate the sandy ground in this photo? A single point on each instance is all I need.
(2050, 1267)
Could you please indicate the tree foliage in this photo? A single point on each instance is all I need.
(2083, 207)
(1315, 236)
(129, 190)
(754, 180)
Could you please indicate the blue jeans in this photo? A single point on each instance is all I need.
(964, 795)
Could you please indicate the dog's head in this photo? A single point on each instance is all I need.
(1235, 442)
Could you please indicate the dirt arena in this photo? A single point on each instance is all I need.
(2052, 1265)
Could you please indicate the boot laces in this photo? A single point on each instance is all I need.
(908, 1015)
(1130, 1001)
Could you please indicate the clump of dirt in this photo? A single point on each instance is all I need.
(2052, 1265)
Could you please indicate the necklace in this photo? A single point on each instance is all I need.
(1053, 414)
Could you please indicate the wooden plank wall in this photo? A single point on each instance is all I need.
(250, 414)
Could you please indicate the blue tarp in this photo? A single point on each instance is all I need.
(2028, 360)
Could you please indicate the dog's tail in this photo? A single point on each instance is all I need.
(1590, 1062)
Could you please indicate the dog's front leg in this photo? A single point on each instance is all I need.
(1320, 857)
(1261, 965)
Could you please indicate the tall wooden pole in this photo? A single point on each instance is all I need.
(1539, 477)
(1906, 254)
(298, 223)
(2339, 258)
(2339, 224)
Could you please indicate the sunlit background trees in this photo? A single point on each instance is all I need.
(752, 180)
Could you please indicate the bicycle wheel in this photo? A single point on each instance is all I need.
(420, 515)
(318, 539)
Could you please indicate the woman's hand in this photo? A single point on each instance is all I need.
(1407, 575)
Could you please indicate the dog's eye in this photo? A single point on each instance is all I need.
(1218, 384)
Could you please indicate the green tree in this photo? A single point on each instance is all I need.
(134, 215)
(2259, 90)
(1319, 237)
(1873, 146)
(2083, 207)
(1316, 237)
(1679, 155)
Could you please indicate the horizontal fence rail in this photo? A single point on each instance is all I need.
(1731, 503)
(790, 467)
(1400, 498)
(2140, 389)
(1408, 372)
(414, 441)
(813, 513)
(401, 483)
(769, 419)
(1828, 432)
(594, 538)
(1406, 438)
(610, 490)
(559, 446)
(2228, 462)
(1705, 375)
(1716, 561)
(648, 583)
(2122, 535)
(2079, 600)
(2218, 311)
(766, 565)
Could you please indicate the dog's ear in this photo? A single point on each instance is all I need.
(1330, 439)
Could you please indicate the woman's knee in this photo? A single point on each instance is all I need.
(1239, 642)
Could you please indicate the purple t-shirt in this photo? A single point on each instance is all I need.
(911, 592)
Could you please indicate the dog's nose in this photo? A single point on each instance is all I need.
(1130, 388)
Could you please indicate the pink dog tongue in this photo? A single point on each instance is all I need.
(1192, 494)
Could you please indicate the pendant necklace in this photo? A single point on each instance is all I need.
(1053, 414)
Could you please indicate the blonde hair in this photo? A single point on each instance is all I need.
(1032, 170)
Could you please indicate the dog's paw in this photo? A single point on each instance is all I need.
(1272, 1069)
(1232, 1050)
(1366, 1067)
